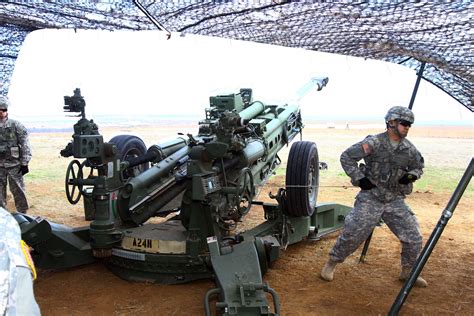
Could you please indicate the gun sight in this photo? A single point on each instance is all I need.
(75, 103)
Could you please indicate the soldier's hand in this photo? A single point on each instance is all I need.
(24, 170)
(407, 178)
(366, 184)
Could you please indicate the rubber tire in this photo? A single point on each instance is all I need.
(130, 146)
(302, 170)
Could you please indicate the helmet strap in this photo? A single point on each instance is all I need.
(394, 128)
(390, 126)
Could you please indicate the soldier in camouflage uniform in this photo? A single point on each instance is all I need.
(392, 164)
(15, 154)
(16, 270)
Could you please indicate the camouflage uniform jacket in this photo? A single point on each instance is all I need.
(384, 165)
(14, 145)
(11, 256)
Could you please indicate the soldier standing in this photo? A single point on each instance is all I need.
(16, 270)
(392, 164)
(15, 154)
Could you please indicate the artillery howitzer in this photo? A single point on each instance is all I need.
(208, 182)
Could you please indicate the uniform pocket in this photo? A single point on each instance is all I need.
(15, 152)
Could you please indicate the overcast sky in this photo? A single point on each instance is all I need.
(143, 73)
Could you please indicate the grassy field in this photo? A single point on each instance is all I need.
(447, 152)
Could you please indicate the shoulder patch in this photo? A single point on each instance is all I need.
(367, 148)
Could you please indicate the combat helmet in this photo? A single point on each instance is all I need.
(400, 113)
(4, 103)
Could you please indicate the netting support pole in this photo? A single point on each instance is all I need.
(417, 84)
(431, 243)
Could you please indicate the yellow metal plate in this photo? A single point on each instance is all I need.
(140, 244)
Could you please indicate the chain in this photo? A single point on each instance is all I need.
(261, 186)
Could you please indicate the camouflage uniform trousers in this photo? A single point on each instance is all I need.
(363, 218)
(17, 188)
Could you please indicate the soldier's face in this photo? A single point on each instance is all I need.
(403, 129)
(3, 114)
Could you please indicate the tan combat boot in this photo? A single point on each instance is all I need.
(327, 273)
(420, 282)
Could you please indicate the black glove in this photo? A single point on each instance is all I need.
(407, 178)
(366, 184)
(24, 170)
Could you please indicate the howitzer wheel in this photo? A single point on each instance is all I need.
(130, 146)
(72, 177)
(302, 179)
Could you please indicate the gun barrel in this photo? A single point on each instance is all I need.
(148, 206)
(166, 149)
(279, 122)
(252, 111)
(155, 173)
(159, 152)
(149, 156)
(318, 82)
(252, 152)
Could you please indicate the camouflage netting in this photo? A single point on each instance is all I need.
(438, 34)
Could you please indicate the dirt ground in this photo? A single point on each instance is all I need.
(358, 289)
